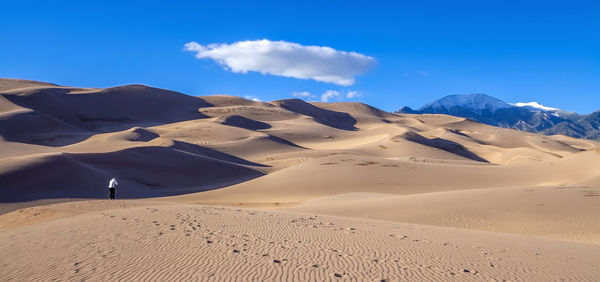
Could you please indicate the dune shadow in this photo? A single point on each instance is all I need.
(245, 123)
(285, 142)
(211, 153)
(143, 172)
(144, 135)
(59, 117)
(39, 129)
(339, 120)
(113, 109)
(446, 145)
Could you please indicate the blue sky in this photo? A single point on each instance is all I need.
(518, 51)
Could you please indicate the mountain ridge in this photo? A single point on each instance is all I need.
(530, 116)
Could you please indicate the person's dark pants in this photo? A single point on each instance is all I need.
(112, 193)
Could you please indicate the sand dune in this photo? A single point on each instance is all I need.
(27, 126)
(339, 120)
(342, 159)
(150, 172)
(232, 101)
(343, 173)
(9, 84)
(554, 212)
(191, 242)
(111, 107)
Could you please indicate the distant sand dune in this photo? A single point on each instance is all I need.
(9, 84)
(554, 212)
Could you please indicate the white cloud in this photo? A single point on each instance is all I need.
(534, 105)
(329, 94)
(303, 95)
(352, 94)
(253, 98)
(287, 59)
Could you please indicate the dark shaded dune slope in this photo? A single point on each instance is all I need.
(38, 128)
(142, 172)
(443, 144)
(112, 108)
(243, 122)
(339, 120)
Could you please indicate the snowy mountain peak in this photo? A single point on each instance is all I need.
(532, 116)
(474, 102)
(535, 105)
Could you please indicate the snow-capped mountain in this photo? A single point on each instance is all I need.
(474, 102)
(535, 106)
(530, 116)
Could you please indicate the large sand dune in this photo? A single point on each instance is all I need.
(341, 159)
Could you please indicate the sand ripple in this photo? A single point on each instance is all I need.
(187, 242)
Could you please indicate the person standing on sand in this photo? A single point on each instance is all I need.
(112, 184)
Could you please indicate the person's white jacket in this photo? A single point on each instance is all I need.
(113, 183)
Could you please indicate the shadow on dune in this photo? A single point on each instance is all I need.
(326, 117)
(208, 152)
(144, 135)
(285, 142)
(143, 172)
(109, 110)
(122, 104)
(36, 128)
(244, 122)
(444, 144)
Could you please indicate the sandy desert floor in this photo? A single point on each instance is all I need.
(125, 240)
(219, 187)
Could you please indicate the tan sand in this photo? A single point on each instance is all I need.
(189, 242)
(554, 212)
(181, 154)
